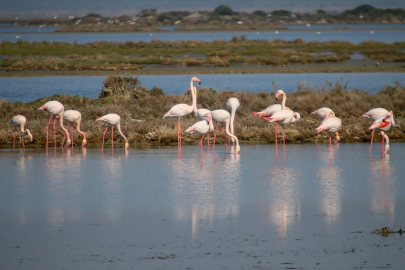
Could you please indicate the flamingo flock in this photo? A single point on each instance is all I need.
(383, 120)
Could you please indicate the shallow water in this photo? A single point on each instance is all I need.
(151, 208)
(26, 89)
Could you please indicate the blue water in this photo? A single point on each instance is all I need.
(25, 29)
(26, 89)
(387, 36)
(152, 208)
(349, 26)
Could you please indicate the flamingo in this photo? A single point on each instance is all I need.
(232, 106)
(202, 128)
(55, 108)
(182, 109)
(199, 113)
(376, 114)
(331, 125)
(112, 120)
(384, 124)
(321, 113)
(272, 109)
(19, 121)
(225, 118)
(284, 117)
(73, 116)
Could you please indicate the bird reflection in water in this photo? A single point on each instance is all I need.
(203, 193)
(383, 192)
(284, 193)
(331, 184)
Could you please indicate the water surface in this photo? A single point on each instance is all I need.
(26, 89)
(312, 207)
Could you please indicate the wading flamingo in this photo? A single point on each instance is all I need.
(384, 124)
(112, 120)
(272, 109)
(19, 121)
(55, 108)
(73, 116)
(283, 117)
(321, 113)
(202, 128)
(376, 114)
(182, 109)
(331, 125)
(200, 113)
(224, 118)
(232, 105)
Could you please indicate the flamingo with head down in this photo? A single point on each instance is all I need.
(232, 105)
(322, 113)
(202, 128)
(71, 117)
(332, 125)
(19, 121)
(112, 120)
(376, 114)
(384, 125)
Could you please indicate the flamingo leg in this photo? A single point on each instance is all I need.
(223, 135)
(330, 139)
(371, 142)
(382, 142)
(200, 144)
(102, 147)
(15, 129)
(215, 136)
(64, 135)
(208, 141)
(71, 132)
(22, 141)
(112, 137)
(179, 135)
(276, 132)
(47, 128)
(283, 135)
(54, 130)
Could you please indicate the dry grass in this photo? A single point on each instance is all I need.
(142, 114)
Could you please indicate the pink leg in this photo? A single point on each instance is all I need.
(200, 144)
(112, 137)
(276, 132)
(64, 135)
(15, 129)
(102, 147)
(22, 141)
(71, 132)
(371, 142)
(215, 136)
(179, 135)
(47, 128)
(283, 135)
(223, 135)
(330, 139)
(54, 131)
(382, 143)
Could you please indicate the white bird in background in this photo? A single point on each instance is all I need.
(73, 116)
(232, 105)
(323, 113)
(202, 128)
(182, 109)
(376, 114)
(19, 121)
(55, 108)
(331, 125)
(223, 117)
(384, 124)
(112, 120)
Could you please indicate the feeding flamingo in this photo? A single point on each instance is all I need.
(321, 113)
(55, 108)
(331, 125)
(384, 124)
(73, 116)
(19, 121)
(182, 109)
(376, 114)
(202, 128)
(112, 120)
(232, 106)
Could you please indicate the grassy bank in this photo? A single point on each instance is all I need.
(24, 55)
(142, 111)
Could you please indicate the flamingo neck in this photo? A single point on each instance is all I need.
(284, 100)
(122, 135)
(78, 129)
(232, 136)
(193, 96)
(62, 127)
(233, 111)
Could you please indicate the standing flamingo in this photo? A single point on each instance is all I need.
(19, 121)
(284, 117)
(73, 116)
(55, 108)
(182, 109)
(202, 128)
(321, 113)
(232, 106)
(200, 113)
(272, 109)
(376, 114)
(384, 124)
(331, 125)
(112, 120)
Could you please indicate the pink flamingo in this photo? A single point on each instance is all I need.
(272, 109)
(376, 114)
(73, 116)
(200, 113)
(55, 108)
(202, 128)
(384, 124)
(232, 105)
(321, 113)
(331, 125)
(182, 109)
(19, 121)
(112, 120)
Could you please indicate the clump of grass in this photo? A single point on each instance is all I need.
(386, 231)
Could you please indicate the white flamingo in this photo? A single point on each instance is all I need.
(55, 108)
(384, 125)
(112, 120)
(331, 125)
(232, 106)
(222, 116)
(19, 121)
(202, 128)
(73, 116)
(181, 110)
(322, 113)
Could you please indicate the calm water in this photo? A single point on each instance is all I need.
(349, 26)
(27, 89)
(155, 209)
(387, 36)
